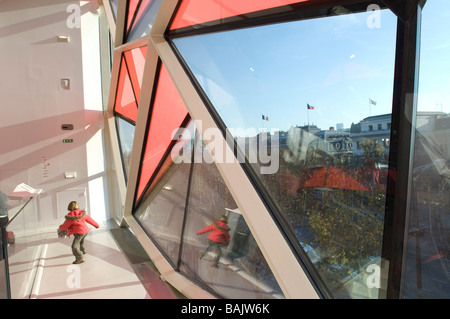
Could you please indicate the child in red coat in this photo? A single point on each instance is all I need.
(75, 225)
(219, 236)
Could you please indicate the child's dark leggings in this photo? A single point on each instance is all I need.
(78, 246)
(217, 248)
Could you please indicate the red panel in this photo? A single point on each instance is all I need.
(135, 62)
(192, 12)
(169, 162)
(125, 100)
(167, 115)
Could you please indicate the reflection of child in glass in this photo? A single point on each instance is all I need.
(219, 236)
(75, 225)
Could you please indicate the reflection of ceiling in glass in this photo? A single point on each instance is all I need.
(201, 11)
(168, 113)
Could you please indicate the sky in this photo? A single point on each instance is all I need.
(434, 82)
(336, 64)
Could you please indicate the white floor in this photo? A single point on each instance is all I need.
(106, 272)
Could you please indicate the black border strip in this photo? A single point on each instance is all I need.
(401, 150)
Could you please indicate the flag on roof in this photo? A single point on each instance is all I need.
(372, 102)
(265, 117)
(310, 107)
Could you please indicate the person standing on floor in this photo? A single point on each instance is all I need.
(75, 224)
(219, 236)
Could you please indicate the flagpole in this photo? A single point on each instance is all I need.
(308, 117)
(370, 109)
(308, 108)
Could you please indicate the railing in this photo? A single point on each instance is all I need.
(20, 249)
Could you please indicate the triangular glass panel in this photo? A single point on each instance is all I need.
(135, 61)
(144, 19)
(125, 103)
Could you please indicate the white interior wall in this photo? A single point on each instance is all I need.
(34, 105)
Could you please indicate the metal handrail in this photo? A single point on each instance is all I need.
(4, 247)
(16, 214)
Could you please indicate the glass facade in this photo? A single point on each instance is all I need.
(349, 158)
(163, 216)
(189, 197)
(327, 169)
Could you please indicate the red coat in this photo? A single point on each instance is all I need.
(219, 232)
(76, 222)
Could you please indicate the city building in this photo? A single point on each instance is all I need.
(375, 128)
